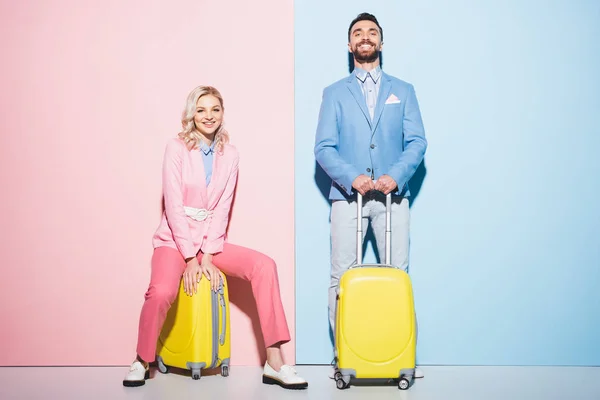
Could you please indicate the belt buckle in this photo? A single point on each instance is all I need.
(198, 214)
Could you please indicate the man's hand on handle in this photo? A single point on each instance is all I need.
(385, 184)
(363, 184)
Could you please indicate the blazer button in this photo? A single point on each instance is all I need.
(372, 146)
(368, 169)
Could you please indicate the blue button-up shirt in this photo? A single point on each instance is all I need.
(207, 158)
(369, 84)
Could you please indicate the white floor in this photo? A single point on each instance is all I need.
(446, 383)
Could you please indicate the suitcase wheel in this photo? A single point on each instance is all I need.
(161, 366)
(225, 370)
(403, 384)
(195, 374)
(342, 383)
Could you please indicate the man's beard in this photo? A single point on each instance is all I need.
(365, 57)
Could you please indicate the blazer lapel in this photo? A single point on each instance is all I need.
(358, 96)
(384, 92)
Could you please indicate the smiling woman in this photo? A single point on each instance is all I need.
(104, 154)
(200, 173)
(202, 118)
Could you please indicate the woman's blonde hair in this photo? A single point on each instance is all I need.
(190, 136)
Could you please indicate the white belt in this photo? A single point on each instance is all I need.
(199, 214)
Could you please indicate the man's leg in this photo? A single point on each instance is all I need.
(343, 246)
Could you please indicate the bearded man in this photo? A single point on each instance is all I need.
(370, 139)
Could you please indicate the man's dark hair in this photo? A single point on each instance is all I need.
(365, 17)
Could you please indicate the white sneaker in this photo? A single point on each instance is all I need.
(418, 373)
(137, 375)
(287, 377)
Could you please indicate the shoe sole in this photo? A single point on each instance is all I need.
(268, 380)
(137, 383)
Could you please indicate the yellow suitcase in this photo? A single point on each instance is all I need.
(196, 334)
(375, 335)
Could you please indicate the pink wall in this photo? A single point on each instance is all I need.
(90, 94)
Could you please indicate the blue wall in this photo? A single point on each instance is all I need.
(505, 255)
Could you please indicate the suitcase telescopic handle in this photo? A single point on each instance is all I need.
(359, 230)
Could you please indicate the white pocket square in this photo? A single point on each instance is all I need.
(392, 99)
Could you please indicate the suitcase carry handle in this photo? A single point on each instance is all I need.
(359, 231)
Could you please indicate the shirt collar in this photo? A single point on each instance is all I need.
(207, 149)
(362, 75)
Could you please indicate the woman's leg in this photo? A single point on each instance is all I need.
(261, 271)
(167, 268)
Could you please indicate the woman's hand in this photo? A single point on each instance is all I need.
(192, 276)
(212, 273)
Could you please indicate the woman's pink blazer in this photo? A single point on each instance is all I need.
(184, 184)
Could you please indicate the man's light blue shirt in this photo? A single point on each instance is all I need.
(369, 84)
